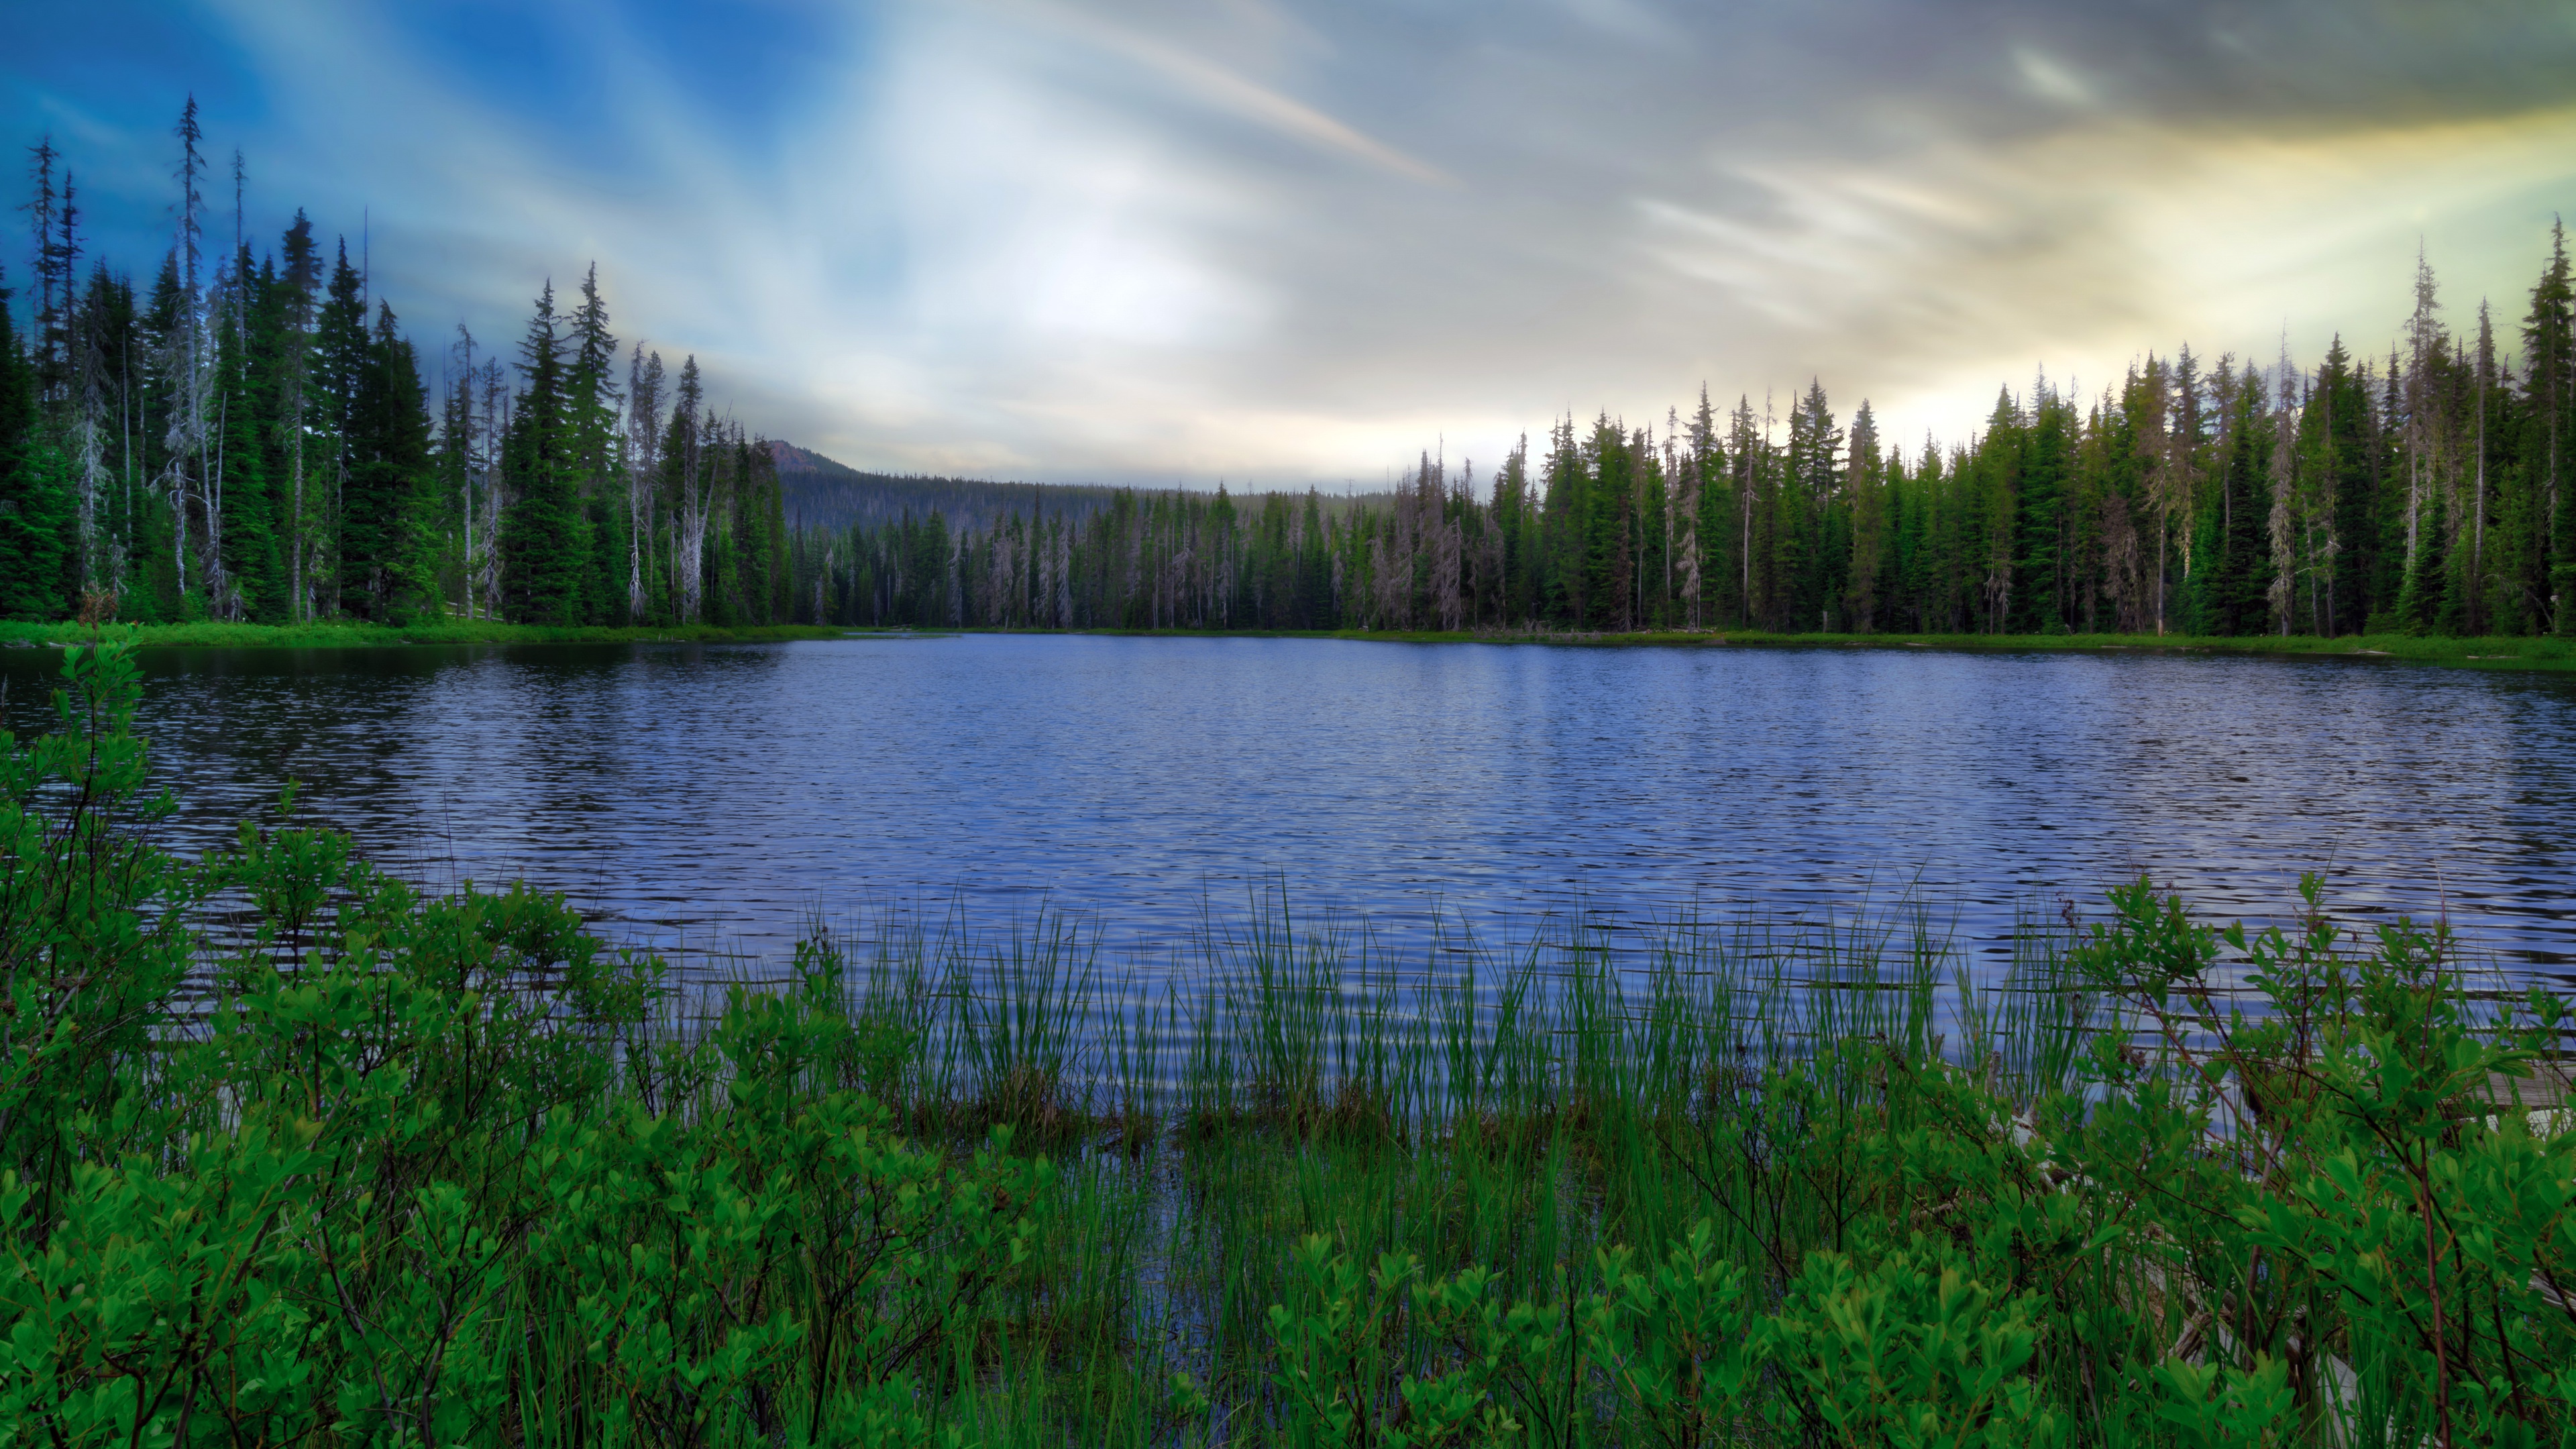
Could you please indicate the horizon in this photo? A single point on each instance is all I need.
(1159, 247)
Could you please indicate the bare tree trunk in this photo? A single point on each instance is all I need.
(694, 490)
(2285, 461)
(218, 599)
(643, 459)
(2163, 527)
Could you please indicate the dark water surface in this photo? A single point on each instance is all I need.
(702, 796)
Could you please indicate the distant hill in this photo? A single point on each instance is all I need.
(821, 493)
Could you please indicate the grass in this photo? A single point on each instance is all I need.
(369, 1166)
(2545, 652)
(350, 634)
(2548, 653)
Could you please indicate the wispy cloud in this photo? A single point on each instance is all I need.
(1229, 90)
(1168, 241)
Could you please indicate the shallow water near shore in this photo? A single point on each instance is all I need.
(722, 797)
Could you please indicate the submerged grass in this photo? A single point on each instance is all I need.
(447, 1169)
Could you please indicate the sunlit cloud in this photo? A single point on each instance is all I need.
(1163, 242)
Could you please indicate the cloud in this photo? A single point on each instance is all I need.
(1232, 92)
(1163, 241)
(2049, 78)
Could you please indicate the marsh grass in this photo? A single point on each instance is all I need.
(355, 634)
(2535, 652)
(445, 1168)
(1526, 1110)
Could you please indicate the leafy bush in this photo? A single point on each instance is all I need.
(396, 1181)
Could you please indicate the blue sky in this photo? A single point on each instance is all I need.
(1272, 243)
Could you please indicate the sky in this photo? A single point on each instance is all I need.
(1190, 241)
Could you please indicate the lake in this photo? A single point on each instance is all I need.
(699, 797)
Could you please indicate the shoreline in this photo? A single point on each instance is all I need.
(2544, 653)
(213, 635)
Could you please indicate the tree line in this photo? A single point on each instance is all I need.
(251, 437)
(2424, 492)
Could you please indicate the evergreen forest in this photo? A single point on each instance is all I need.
(253, 436)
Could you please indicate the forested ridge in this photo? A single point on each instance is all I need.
(252, 436)
(823, 493)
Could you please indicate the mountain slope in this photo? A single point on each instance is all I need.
(822, 493)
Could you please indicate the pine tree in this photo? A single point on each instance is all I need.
(544, 538)
(184, 365)
(1565, 577)
(2041, 466)
(1869, 522)
(338, 370)
(247, 386)
(34, 512)
(1704, 545)
(2338, 424)
(1609, 507)
(2549, 390)
(2285, 523)
(51, 214)
(458, 475)
(1993, 486)
(1804, 556)
(591, 401)
(2237, 571)
(299, 278)
(382, 576)
(2481, 579)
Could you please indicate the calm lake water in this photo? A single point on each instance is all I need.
(722, 796)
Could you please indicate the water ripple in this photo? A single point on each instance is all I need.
(697, 795)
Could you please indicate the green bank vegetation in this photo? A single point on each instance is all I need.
(2508, 653)
(292, 1153)
(2541, 653)
(350, 633)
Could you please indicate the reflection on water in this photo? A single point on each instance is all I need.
(698, 795)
